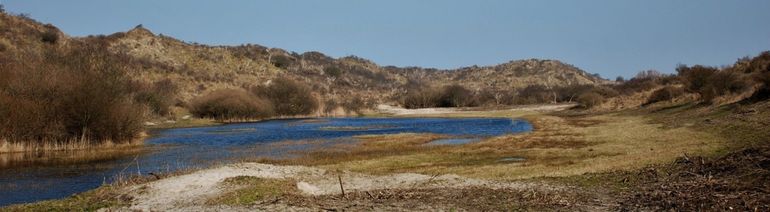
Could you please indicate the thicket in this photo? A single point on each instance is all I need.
(231, 105)
(664, 94)
(711, 82)
(281, 97)
(447, 96)
(289, 97)
(590, 99)
(50, 35)
(159, 96)
(59, 96)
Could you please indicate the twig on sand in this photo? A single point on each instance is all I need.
(339, 177)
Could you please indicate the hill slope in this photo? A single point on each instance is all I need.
(200, 68)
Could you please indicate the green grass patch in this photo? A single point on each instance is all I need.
(245, 190)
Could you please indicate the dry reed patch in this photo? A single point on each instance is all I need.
(73, 144)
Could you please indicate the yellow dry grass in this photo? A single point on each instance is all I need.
(74, 144)
(560, 146)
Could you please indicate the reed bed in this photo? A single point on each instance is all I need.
(73, 144)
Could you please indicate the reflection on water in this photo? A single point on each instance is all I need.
(52, 158)
(33, 177)
(453, 141)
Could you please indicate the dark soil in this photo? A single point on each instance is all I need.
(446, 199)
(737, 181)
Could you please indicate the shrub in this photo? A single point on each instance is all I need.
(159, 96)
(355, 104)
(330, 105)
(635, 85)
(81, 95)
(654, 74)
(534, 94)
(721, 83)
(696, 77)
(333, 71)
(4, 45)
(664, 94)
(281, 61)
(50, 36)
(231, 104)
(763, 78)
(489, 97)
(448, 96)
(421, 98)
(456, 96)
(288, 97)
(590, 99)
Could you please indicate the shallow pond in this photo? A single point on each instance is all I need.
(38, 177)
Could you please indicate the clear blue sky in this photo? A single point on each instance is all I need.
(609, 37)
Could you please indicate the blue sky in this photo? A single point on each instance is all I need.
(609, 37)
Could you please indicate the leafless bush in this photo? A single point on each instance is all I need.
(50, 35)
(289, 97)
(61, 97)
(535, 94)
(421, 98)
(590, 99)
(355, 104)
(457, 96)
(332, 71)
(721, 83)
(711, 82)
(665, 94)
(281, 61)
(448, 96)
(231, 104)
(330, 105)
(159, 96)
(695, 78)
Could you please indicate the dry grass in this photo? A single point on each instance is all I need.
(75, 144)
(560, 146)
(371, 146)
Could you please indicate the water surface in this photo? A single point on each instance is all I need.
(49, 177)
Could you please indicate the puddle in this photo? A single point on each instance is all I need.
(511, 159)
(453, 141)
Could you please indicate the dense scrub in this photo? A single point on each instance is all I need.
(159, 96)
(665, 94)
(62, 96)
(281, 97)
(289, 97)
(231, 104)
(447, 96)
